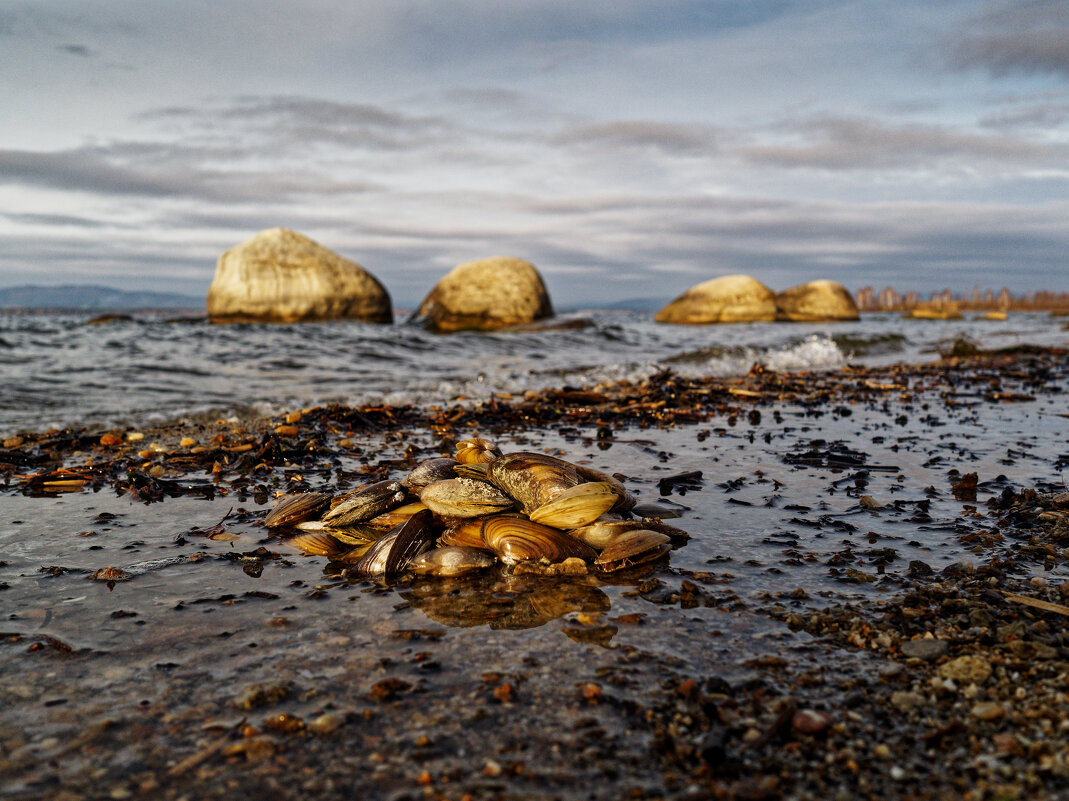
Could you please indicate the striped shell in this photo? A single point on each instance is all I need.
(533, 479)
(514, 539)
(365, 503)
(429, 471)
(297, 508)
(633, 548)
(476, 450)
(391, 554)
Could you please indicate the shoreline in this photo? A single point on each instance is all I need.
(946, 683)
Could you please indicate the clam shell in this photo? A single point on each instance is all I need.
(429, 471)
(317, 544)
(514, 538)
(365, 503)
(348, 535)
(533, 479)
(633, 548)
(451, 560)
(602, 533)
(464, 497)
(476, 451)
(297, 508)
(626, 499)
(577, 506)
(396, 517)
(391, 554)
(466, 533)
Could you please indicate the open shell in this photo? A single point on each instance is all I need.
(391, 554)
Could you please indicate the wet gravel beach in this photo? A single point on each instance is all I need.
(872, 603)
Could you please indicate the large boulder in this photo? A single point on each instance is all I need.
(282, 276)
(486, 295)
(728, 299)
(816, 302)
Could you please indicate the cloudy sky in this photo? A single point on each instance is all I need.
(627, 148)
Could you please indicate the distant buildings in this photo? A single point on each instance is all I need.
(889, 299)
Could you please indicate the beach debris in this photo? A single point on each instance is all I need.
(452, 517)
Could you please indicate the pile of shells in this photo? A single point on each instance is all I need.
(450, 517)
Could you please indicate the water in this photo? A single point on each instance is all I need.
(56, 370)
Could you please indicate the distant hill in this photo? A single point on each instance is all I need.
(92, 297)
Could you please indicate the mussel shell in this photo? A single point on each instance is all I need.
(533, 479)
(678, 536)
(429, 471)
(577, 506)
(626, 499)
(396, 517)
(349, 535)
(476, 451)
(514, 538)
(464, 497)
(633, 548)
(602, 533)
(391, 554)
(451, 560)
(365, 503)
(297, 508)
(467, 533)
(317, 544)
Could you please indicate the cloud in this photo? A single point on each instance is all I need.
(852, 144)
(1028, 37)
(671, 139)
(76, 50)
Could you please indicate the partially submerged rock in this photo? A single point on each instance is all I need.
(816, 302)
(486, 295)
(728, 299)
(282, 276)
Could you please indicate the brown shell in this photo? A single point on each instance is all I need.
(429, 471)
(464, 497)
(317, 544)
(362, 504)
(391, 554)
(451, 560)
(396, 517)
(467, 533)
(602, 533)
(297, 508)
(533, 479)
(633, 548)
(476, 450)
(577, 506)
(514, 538)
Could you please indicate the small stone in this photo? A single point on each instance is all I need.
(969, 669)
(989, 711)
(325, 724)
(927, 649)
(1037, 581)
(187, 442)
(293, 417)
(905, 701)
(257, 695)
(810, 721)
(591, 692)
(492, 769)
(897, 773)
(284, 723)
(258, 749)
(286, 431)
(388, 689)
(882, 751)
(13, 442)
(110, 440)
(134, 436)
(868, 502)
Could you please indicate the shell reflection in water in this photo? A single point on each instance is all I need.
(365, 503)
(582, 504)
(298, 508)
(451, 560)
(633, 548)
(515, 539)
(464, 497)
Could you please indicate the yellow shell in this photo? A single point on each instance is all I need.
(633, 548)
(577, 506)
(514, 539)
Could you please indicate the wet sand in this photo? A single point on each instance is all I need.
(853, 616)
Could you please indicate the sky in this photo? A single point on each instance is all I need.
(629, 149)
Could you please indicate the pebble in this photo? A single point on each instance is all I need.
(905, 701)
(810, 721)
(897, 773)
(927, 649)
(969, 669)
(989, 711)
(13, 442)
(187, 442)
(325, 724)
(882, 751)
